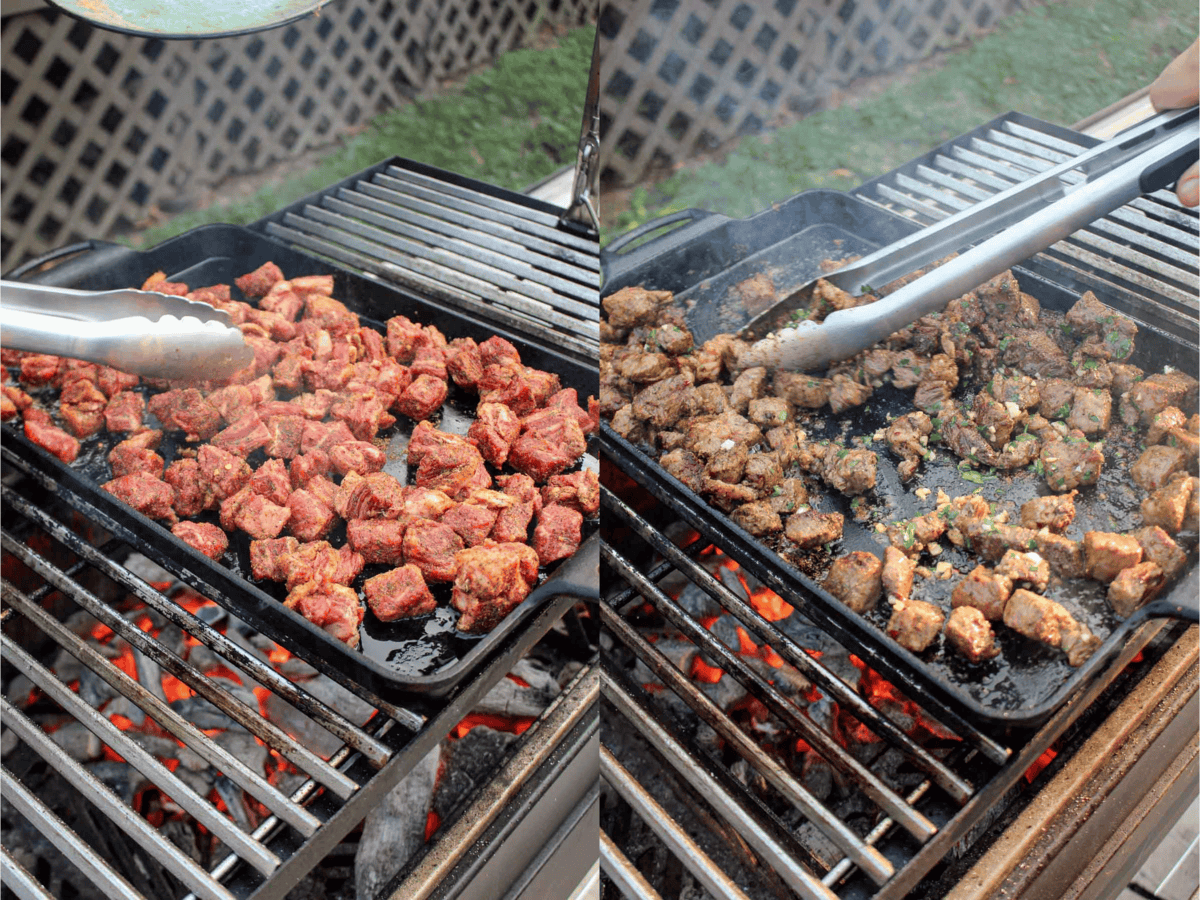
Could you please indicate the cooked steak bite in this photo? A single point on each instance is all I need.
(1091, 411)
(1038, 618)
(994, 420)
(129, 456)
(1013, 387)
(709, 436)
(665, 402)
(769, 412)
(40, 368)
(422, 398)
(557, 534)
(1035, 353)
(377, 540)
(578, 490)
(897, 574)
(850, 471)
(788, 496)
(335, 608)
(991, 539)
(1134, 587)
(911, 536)
(1149, 397)
(271, 479)
(915, 624)
(1167, 507)
(646, 368)
(1066, 557)
(357, 456)
(149, 495)
(809, 529)
(726, 495)
(1108, 553)
(1159, 548)
(847, 393)
(204, 537)
(1071, 462)
(1089, 315)
(1055, 512)
(490, 583)
(42, 431)
(311, 519)
(749, 385)
(457, 470)
(685, 466)
(984, 590)
(758, 518)
(798, 389)
(763, 473)
(633, 306)
(1187, 441)
(932, 396)
(1079, 643)
(1027, 567)
(971, 634)
(855, 580)
(1156, 465)
(400, 593)
(1057, 396)
(1163, 422)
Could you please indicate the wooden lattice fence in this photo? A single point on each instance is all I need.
(682, 76)
(98, 126)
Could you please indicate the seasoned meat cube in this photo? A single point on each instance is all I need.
(686, 466)
(633, 306)
(244, 436)
(490, 583)
(749, 385)
(184, 476)
(942, 368)
(1134, 587)
(550, 442)
(809, 529)
(984, 590)
(855, 580)
(568, 399)
(932, 396)
(430, 360)
(915, 624)
(629, 426)
(674, 339)
(431, 546)
(1168, 506)
(1089, 315)
(311, 519)
(334, 608)
(1156, 465)
(907, 435)
(206, 538)
(1091, 411)
(324, 436)
(129, 456)
(758, 518)
(769, 412)
(707, 437)
(999, 296)
(788, 496)
(757, 293)
(399, 594)
(472, 522)
(557, 534)
(1071, 462)
(971, 634)
(464, 363)
(188, 411)
(271, 479)
(665, 402)
(150, 496)
(850, 471)
(1016, 388)
(1188, 442)
(1079, 643)
(909, 369)
(578, 490)
(318, 561)
(801, 390)
(897, 575)
(41, 431)
(877, 363)
(267, 558)
(763, 473)
(646, 368)
(1107, 554)
(1027, 567)
(124, 412)
(422, 398)
(424, 503)
(1124, 377)
(1151, 396)
(990, 539)
(8, 409)
(1038, 618)
(357, 456)
(512, 523)
(1035, 353)
(253, 514)
(426, 438)
(910, 537)
(994, 420)
(38, 368)
(1066, 557)
(377, 540)
(260, 281)
(1055, 512)
(457, 470)
(375, 496)
(709, 400)
(403, 338)
(1057, 395)
(308, 466)
(726, 495)
(847, 393)
(1159, 548)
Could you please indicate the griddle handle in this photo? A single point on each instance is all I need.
(578, 577)
(80, 261)
(689, 216)
(1166, 172)
(1187, 611)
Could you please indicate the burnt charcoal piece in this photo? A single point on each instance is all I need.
(557, 534)
(1107, 554)
(431, 547)
(150, 496)
(378, 540)
(203, 536)
(332, 607)
(855, 580)
(267, 558)
(915, 624)
(399, 594)
(971, 634)
(492, 580)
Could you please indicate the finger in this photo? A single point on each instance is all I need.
(1187, 189)
(1177, 86)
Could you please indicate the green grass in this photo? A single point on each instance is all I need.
(1059, 62)
(509, 125)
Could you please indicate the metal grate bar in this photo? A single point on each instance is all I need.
(955, 184)
(251, 720)
(251, 665)
(846, 866)
(58, 833)
(236, 839)
(923, 189)
(799, 878)
(883, 796)
(870, 860)
(766, 632)
(623, 873)
(137, 828)
(178, 727)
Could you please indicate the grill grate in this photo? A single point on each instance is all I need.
(502, 257)
(1141, 259)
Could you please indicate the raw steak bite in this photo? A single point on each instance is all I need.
(557, 534)
(490, 583)
(203, 536)
(378, 540)
(422, 398)
(431, 547)
(399, 594)
(334, 608)
(150, 496)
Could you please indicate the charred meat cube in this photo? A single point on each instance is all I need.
(758, 518)
(422, 398)
(431, 546)
(377, 540)
(1038, 618)
(1035, 353)
(665, 402)
(1134, 587)
(124, 412)
(897, 574)
(1156, 465)
(984, 590)
(557, 534)
(357, 456)
(855, 580)
(995, 421)
(971, 634)
(311, 519)
(1055, 512)
(633, 306)
(253, 514)
(267, 558)
(1159, 548)
(221, 474)
(1108, 553)
(334, 608)
(578, 490)
(203, 536)
(399, 594)
(1071, 462)
(43, 432)
(808, 529)
(150, 496)
(1027, 567)
(850, 471)
(915, 624)
(1168, 507)
(457, 470)
(493, 432)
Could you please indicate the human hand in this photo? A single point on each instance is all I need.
(1176, 87)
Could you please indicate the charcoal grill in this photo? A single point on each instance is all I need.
(491, 254)
(946, 833)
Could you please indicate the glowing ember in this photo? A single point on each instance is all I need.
(1040, 763)
(432, 823)
(511, 724)
(702, 671)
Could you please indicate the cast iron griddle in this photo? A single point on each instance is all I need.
(420, 655)
(1028, 681)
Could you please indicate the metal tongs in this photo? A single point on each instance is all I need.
(141, 332)
(1012, 225)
